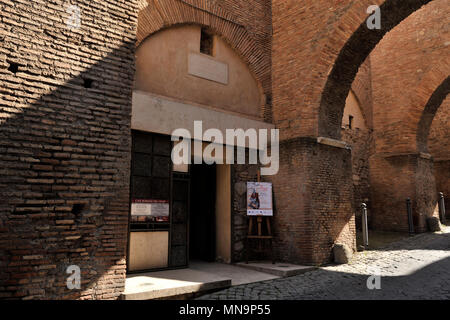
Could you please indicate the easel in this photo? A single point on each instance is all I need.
(251, 235)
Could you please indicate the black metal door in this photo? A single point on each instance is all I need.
(150, 179)
(180, 222)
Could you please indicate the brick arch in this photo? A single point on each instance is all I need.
(431, 106)
(159, 15)
(350, 57)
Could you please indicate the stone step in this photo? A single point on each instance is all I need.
(279, 269)
(175, 284)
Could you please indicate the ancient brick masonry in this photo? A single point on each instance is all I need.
(362, 88)
(360, 140)
(65, 126)
(313, 194)
(317, 49)
(413, 179)
(312, 38)
(64, 146)
(403, 112)
(439, 147)
(418, 53)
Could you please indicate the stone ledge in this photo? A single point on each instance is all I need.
(171, 283)
(278, 269)
(333, 143)
(425, 155)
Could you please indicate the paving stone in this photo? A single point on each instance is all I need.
(413, 268)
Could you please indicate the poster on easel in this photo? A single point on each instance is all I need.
(259, 199)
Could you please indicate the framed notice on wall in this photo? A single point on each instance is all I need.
(149, 209)
(259, 199)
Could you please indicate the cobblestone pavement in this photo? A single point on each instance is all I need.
(413, 268)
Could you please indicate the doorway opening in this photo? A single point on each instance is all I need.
(202, 220)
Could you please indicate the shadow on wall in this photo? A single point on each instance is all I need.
(429, 112)
(65, 159)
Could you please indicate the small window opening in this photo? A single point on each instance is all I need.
(206, 42)
(350, 122)
(13, 67)
(77, 208)
(88, 83)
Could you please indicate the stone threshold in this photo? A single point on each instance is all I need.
(174, 284)
(201, 278)
(279, 269)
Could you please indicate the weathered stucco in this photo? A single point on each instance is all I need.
(162, 68)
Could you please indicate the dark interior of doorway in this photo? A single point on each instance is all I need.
(202, 222)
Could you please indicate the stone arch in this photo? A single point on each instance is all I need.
(159, 15)
(353, 53)
(431, 107)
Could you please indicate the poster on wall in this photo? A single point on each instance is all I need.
(144, 210)
(259, 199)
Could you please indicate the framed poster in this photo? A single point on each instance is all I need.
(149, 209)
(259, 199)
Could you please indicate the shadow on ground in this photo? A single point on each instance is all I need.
(412, 268)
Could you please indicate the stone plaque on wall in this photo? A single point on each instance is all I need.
(204, 67)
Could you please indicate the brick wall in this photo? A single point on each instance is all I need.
(313, 201)
(439, 147)
(395, 178)
(439, 136)
(407, 66)
(256, 17)
(426, 196)
(407, 70)
(65, 149)
(442, 177)
(362, 88)
(361, 141)
(317, 49)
